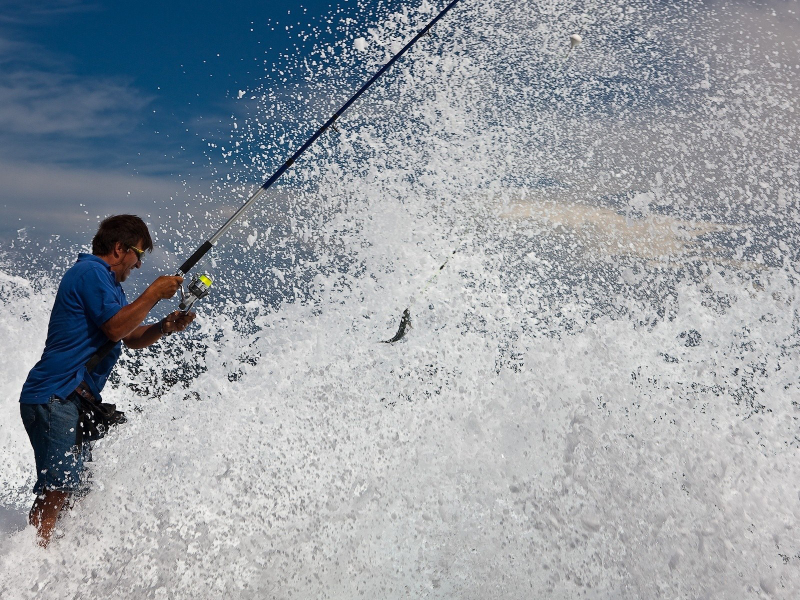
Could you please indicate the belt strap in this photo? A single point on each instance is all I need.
(84, 391)
(100, 355)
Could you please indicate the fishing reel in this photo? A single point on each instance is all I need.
(198, 289)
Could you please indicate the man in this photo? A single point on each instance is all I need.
(90, 308)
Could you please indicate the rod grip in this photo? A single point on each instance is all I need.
(194, 258)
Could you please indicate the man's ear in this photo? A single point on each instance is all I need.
(119, 249)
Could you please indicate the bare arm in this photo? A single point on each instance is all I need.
(146, 335)
(143, 336)
(127, 320)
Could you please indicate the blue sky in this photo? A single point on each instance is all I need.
(108, 105)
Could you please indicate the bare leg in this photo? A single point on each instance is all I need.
(44, 513)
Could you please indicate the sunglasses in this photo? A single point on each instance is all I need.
(139, 253)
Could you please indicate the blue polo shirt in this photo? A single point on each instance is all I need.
(87, 297)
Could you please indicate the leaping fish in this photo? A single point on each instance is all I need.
(405, 323)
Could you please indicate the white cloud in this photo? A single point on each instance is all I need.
(51, 117)
(54, 198)
(22, 11)
(40, 96)
(36, 102)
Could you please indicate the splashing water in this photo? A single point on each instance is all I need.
(599, 394)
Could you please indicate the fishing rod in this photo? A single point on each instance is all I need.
(199, 287)
(201, 284)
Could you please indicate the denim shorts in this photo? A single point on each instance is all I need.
(52, 428)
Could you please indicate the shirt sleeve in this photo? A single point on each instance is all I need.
(99, 295)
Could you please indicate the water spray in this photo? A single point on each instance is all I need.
(405, 320)
(574, 41)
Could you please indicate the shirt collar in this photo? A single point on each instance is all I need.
(93, 258)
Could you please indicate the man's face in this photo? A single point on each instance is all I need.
(130, 260)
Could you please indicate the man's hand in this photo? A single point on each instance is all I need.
(176, 321)
(129, 318)
(165, 286)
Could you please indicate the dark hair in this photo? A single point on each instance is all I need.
(125, 229)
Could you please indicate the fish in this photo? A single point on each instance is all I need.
(405, 323)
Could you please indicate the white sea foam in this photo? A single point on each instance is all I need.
(597, 398)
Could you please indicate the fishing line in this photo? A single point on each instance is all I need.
(405, 319)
